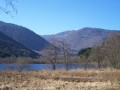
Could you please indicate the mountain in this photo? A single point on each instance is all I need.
(82, 38)
(9, 47)
(23, 35)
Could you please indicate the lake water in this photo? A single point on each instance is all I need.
(41, 66)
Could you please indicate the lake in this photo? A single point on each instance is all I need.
(41, 66)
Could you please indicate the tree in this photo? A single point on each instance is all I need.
(51, 52)
(84, 56)
(65, 51)
(98, 55)
(22, 63)
(111, 48)
(8, 6)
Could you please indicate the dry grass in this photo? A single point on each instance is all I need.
(92, 79)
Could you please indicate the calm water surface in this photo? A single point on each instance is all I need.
(42, 66)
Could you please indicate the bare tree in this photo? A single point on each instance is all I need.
(22, 64)
(51, 53)
(112, 49)
(98, 55)
(65, 51)
(8, 6)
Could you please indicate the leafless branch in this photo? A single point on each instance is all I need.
(8, 6)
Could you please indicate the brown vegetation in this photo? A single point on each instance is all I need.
(92, 79)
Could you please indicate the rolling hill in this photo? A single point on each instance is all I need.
(82, 38)
(23, 35)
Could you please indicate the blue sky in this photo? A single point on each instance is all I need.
(53, 16)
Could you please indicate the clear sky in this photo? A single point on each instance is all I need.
(53, 16)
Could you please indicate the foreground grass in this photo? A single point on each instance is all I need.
(92, 79)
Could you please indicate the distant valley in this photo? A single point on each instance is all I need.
(76, 39)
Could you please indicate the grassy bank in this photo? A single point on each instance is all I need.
(92, 79)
